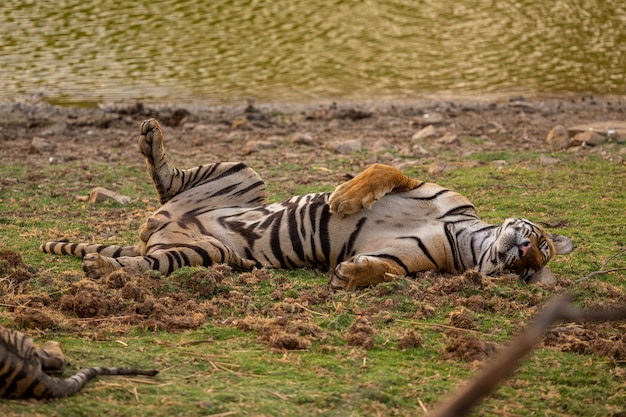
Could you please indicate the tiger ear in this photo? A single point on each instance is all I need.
(562, 244)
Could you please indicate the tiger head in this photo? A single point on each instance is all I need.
(525, 248)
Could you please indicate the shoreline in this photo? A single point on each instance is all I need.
(38, 132)
(383, 101)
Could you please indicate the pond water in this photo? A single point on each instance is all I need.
(223, 52)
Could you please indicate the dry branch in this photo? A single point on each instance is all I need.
(559, 309)
(603, 269)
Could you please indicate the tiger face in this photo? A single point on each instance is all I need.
(524, 248)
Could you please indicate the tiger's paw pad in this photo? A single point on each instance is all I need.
(348, 200)
(362, 271)
(345, 276)
(97, 266)
(337, 281)
(151, 137)
(53, 358)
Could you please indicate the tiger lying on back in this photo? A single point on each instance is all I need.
(24, 367)
(375, 226)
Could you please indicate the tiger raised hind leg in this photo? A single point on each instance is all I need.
(198, 189)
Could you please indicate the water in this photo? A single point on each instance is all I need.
(304, 50)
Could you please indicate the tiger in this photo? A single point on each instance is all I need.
(374, 227)
(25, 368)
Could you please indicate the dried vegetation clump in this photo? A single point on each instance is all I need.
(296, 315)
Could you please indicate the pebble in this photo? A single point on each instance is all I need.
(558, 138)
(428, 132)
(547, 161)
(589, 138)
(40, 145)
(438, 167)
(347, 146)
(544, 276)
(303, 139)
(100, 194)
(448, 139)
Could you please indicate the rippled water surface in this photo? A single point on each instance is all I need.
(297, 50)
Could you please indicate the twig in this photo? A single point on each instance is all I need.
(88, 319)
(219, 367)
(310, 311)
(145, 381)
(422, 406)
(281, 396)
(195, 342)
(505, 362)
(445, 326)
(602, 271)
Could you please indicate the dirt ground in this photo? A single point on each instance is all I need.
(318, 136)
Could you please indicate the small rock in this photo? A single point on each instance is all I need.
(544, 276)
(558, 138)
(260, 144)
(426, 133)
(420, 150)
(9, 181)
(448, 139)
(303, 139)
(40, 145)
(55, 129)
(614, 130)
(589, 138)
(347, 146)
(430, 118)
(438, 167)
(386, 157)
(234, 137)
(547, 161)
(615, 136)
(381, 145)
(240, 124)
(99, 194)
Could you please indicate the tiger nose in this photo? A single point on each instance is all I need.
(523, 247)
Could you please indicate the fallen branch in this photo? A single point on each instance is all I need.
(602, 269)
(559, 309)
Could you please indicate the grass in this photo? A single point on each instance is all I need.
(224, 368)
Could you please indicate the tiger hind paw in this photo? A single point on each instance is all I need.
(151, 139)
(97, 266)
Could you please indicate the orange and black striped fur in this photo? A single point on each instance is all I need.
(375, 226)
(24, 369)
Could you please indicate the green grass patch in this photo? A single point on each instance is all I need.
(281, 343)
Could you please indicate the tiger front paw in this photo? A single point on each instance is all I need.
(349, 199)
(362, 271)
(349, 275)
(97, 266)
(151, 139)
